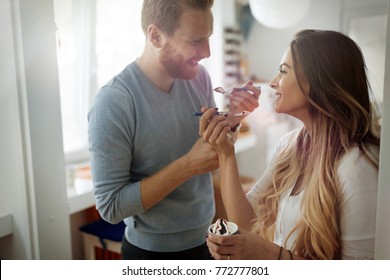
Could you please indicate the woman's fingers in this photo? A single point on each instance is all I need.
(222, 247)
(205, 119)
(212, 125)
(217, 129)
(247, 99)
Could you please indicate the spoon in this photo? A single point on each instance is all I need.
(243, 113)
(229, 91)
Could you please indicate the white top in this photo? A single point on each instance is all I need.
(359, 181)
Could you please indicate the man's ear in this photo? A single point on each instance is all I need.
(155, 36)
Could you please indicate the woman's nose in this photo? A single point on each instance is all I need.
(273, 83)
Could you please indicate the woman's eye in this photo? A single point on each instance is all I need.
(283, 72)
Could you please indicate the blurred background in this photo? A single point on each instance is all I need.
(56, 54)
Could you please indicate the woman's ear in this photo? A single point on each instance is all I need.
(155, 36)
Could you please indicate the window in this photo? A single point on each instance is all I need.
(96, 39)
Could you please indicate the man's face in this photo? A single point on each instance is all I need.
(181, 52)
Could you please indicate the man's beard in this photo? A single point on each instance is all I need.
(174, 64)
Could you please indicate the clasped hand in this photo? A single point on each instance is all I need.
(216, 129)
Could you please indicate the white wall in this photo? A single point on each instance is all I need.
(44, 116)
(32, 160)
(382, 248)
(13, 188)
(265, 46)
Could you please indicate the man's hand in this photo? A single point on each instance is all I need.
(202, 158)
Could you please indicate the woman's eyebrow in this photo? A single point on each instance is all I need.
(284, 64)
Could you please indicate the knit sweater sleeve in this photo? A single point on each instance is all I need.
(111, 123)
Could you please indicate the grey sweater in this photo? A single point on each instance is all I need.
(135, 130)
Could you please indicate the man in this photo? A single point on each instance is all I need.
(150, 168)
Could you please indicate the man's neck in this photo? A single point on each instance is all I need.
(153, 70)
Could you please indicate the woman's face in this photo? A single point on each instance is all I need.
(289, 97)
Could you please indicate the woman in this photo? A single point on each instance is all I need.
(317, 200)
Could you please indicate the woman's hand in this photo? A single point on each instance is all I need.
(242, 246)
(215, 129)
(245, 100)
